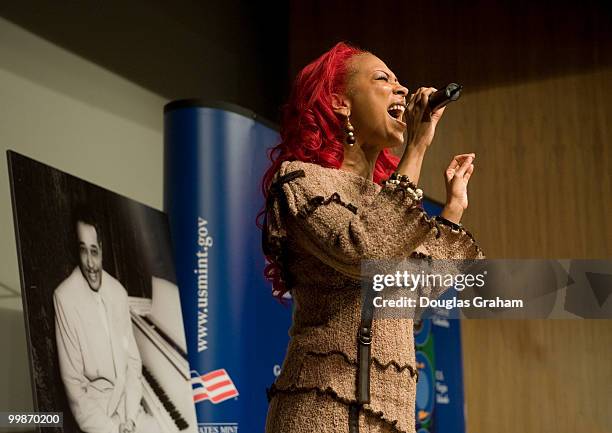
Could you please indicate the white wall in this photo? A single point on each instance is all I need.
(73, 115)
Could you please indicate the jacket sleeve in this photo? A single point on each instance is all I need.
(88, 413)
(391, 225)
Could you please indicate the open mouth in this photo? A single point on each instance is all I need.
(396, 111)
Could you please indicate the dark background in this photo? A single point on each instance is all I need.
(247, 52)
(135, 246)
(230, 50)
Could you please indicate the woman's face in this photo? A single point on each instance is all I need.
(376, 102)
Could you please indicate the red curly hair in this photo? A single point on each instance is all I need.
(312, 132)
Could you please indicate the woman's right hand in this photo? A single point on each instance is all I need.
(421, 122)
(420, 129)
(456, 177)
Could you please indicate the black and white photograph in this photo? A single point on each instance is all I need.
(101, 304)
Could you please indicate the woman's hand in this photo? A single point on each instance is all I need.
(421, 122)
(456, 177)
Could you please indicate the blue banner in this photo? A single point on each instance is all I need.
(236, 331)
(440, 401)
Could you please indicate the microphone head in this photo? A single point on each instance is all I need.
(441, 97)
(453, 90)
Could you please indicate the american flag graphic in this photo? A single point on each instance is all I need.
(215, 386)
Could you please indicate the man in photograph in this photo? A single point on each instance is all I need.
(98, 358)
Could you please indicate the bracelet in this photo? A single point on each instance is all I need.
(402, 178)
(452, 225)
(403, 181)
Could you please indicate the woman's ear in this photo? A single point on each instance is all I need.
(341, 105)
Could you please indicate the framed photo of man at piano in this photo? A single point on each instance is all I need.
(103, 319)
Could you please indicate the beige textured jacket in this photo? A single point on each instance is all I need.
(321, 223)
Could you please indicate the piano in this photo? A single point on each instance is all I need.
(158, 329)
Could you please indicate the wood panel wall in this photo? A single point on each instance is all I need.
(542, 185)
(536, 106)
(536, 376)
(543, 188)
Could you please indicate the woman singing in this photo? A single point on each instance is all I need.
(336, 196)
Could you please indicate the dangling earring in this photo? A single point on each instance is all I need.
(350, 132)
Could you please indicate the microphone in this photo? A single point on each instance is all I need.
(441, 97)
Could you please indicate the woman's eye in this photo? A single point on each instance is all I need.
(383, 77)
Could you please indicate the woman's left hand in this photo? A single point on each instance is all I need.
(420, 121)
(456, 177)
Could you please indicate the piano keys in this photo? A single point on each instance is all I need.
(158, 330)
